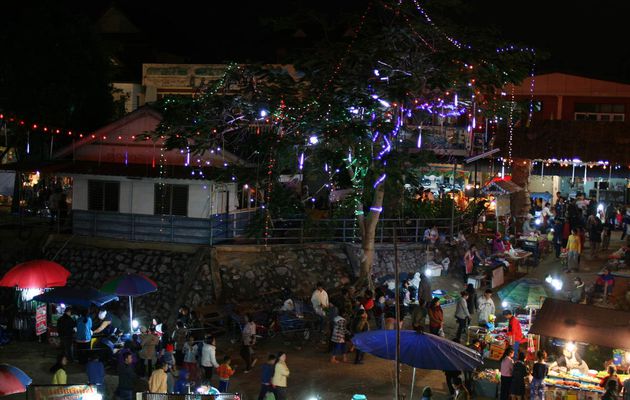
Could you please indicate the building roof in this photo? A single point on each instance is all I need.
(582, 323)
(117, 142)
(590, 141)
(501, 187)
(560, 84)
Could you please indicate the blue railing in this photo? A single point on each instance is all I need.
(160, 228)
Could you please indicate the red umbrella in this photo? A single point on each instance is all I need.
(36, 274)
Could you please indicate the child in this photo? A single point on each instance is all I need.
(190, 358)
(265, 379)
(361, 325)
(338, 339)
(167, 355)
(225, 371)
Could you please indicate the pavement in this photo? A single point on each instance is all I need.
(311, 371)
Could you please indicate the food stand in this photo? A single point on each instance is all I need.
(569, 376)
(500, 193)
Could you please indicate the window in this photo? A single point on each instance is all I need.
(171, 199)
(103, 195)
(599, 112)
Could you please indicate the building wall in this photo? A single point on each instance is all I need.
(137, 195)
(134, 93)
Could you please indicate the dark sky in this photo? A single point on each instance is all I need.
(587, 38)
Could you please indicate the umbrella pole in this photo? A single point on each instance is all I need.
(413, 383)
(130, 315)
(398, 319)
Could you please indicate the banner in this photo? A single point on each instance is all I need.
(40, 319)
(62, 392)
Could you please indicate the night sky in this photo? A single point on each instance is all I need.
(586, 38)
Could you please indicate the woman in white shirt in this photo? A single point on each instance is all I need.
(209, 357)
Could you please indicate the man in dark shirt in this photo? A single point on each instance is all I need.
(65, 328)
(126, 379)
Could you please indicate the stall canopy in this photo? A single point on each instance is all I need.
(501, 187)
(583, 323)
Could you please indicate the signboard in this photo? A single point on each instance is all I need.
(40, 319)
(61, 392)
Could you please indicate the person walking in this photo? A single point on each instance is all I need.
(361, 325)
(539, 373)
(485, 305)
(65, 328)
(436, 317)
(148, 354)
(462, 316)
(594, 225)
(515, 332)
(280, 375)
(126, 378)
(248, 341)
(208, 359)
(507, 366)
(190, 358)
(157, 381)
(265, 377)
(472, 299)
(179, 338)
(574, 248)
(519, 373)
(225, 371)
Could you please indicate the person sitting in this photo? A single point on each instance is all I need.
(497, 244)
(605, 282)
(577, 293)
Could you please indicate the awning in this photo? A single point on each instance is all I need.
(583, 323)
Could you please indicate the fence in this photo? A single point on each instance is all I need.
(160, 228)
(301, 230)
(242, 226)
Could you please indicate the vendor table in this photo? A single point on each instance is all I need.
(518, 259)
(493, 276)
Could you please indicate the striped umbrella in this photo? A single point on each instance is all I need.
(130, 285)
(12, 380)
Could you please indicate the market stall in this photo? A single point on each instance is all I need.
(580, 325)
(500, 194)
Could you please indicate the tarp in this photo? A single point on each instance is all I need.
(583, 323)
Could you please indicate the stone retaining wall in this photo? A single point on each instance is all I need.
(91, 266)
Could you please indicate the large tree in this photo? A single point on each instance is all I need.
(356, 111)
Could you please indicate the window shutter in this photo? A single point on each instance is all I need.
(95, 195)
(179, 202)
(111, 196)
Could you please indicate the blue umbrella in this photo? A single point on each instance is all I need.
(83, 297)
(419, 350)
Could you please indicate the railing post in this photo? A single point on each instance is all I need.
(133, 226)
(343, 234)
(172, 230)
(382, 227)
(416, 236)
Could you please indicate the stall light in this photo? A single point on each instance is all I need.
(557, 284)
(92, 396)
(28, 294)
(134, 324)
(504, 304)
(538, 221)
(468, 187)
(627, 356)
(548, 279)
(570, 346)
(600, 207)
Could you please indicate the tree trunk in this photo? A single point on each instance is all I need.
(368, 236)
